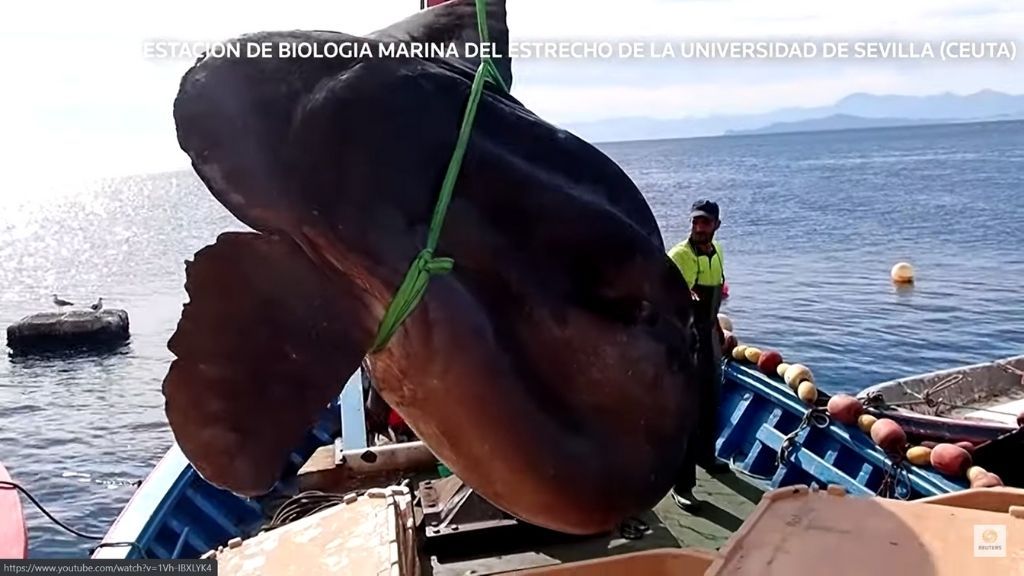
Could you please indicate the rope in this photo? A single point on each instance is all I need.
(4, 484)
(926, 396)
(425, 265)
(1012, 370)
(302, 505)
(937, 403)
(817, 417)
(737, 470)
(946, 383)
(891, 480)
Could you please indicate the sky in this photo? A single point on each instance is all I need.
(80, 97)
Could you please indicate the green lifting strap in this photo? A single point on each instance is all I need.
(425, 265)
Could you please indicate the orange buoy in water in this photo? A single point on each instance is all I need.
(902, 273)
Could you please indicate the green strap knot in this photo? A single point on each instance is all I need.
(409, 293)
(425, 265)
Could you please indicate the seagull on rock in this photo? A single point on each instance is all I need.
(96, 307)
(60, 303)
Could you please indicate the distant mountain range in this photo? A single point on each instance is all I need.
(849, 122)
(854, 111)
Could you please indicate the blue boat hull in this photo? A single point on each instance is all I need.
(758, 413)
(177, 514)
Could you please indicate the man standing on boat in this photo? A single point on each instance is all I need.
(699, 259)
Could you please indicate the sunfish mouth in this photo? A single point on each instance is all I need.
(550, 369)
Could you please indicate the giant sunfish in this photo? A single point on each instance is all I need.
(550, 368)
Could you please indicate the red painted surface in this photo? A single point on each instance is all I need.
(435, 2)
(395, 420)
(13, 536)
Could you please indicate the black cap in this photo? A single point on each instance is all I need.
(705, 208)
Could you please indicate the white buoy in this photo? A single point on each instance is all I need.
(725, 322)
(902, 273)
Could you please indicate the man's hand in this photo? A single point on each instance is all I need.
(694, 296)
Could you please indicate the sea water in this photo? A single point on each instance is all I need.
(812, 223)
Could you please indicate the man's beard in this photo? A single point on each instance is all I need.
(702, 237)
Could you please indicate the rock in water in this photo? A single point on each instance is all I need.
(549, 369)
(76, 328)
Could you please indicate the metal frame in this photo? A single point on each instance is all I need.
(353, 413)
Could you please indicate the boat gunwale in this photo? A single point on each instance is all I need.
(165, 483)
(171, 478)
(910, 388)
(921, 480)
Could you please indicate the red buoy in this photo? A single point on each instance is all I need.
(13, 534)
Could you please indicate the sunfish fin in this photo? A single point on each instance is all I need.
(455, 21)
(265, 343)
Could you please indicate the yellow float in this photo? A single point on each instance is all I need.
(865, 422)
(797, 373)
(920, 455)
(781, 370)
(807, 391)
(752, 354)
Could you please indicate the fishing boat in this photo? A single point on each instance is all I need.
(774, 437)
(981, 404)
(767, 431)
(984, 399)
(771, 438)
(13, 536)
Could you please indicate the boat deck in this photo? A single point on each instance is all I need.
(1005, 409)
(725, 502)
